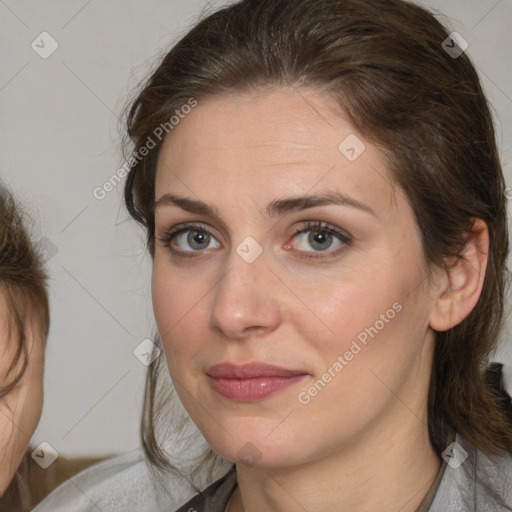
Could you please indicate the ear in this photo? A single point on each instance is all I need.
(461, 285)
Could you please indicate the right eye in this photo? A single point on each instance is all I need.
(190, 238)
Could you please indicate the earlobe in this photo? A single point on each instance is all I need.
(463, 281)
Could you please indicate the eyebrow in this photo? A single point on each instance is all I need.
(274, 208)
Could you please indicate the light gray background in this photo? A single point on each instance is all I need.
(59, 139)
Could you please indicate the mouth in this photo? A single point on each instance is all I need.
(252, 381)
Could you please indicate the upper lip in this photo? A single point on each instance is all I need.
(250, 370)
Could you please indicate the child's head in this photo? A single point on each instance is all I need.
(24, 324)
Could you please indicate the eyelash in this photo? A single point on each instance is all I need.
(319, 226)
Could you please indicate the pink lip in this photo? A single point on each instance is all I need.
(251, 370)
(252, 381)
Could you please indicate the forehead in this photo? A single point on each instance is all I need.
(271, 143)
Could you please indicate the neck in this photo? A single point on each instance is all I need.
(391, 466)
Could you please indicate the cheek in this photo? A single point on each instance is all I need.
(337, 314)
(20, 412)
(377, 336)
(32, 407)
(370, 320)
(21, 408)
(179, 307)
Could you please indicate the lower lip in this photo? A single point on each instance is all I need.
(252, 389)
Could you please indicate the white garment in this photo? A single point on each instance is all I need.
(124, 484)
(120, 484)
(458, 492)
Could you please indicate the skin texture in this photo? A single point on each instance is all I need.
(361, 443)
(20, 409)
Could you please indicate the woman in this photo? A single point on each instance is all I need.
(24, 324)
(325, 209)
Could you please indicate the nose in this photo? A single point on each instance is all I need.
(246, 300)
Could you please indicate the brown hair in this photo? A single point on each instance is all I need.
(23, 292)
(22, 282)
(384, 63)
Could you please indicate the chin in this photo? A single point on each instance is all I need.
(253, 447)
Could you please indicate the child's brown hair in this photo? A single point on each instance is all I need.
(24, 295)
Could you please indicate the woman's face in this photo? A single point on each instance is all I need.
(20, 409)
(342, 306)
